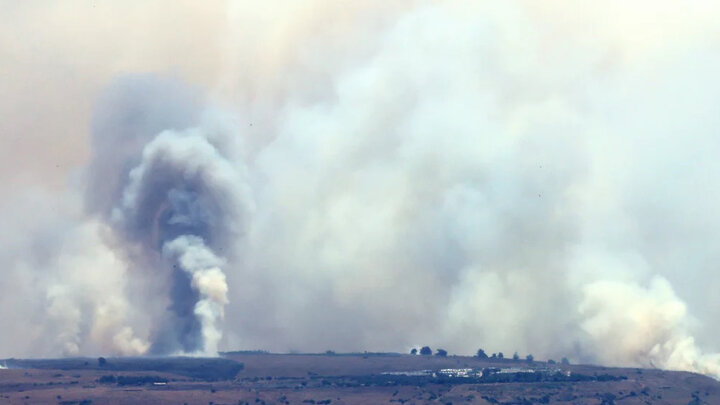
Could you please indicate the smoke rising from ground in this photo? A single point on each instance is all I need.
(174, 198)
(518, 177)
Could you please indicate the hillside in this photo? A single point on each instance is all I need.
(257, 378)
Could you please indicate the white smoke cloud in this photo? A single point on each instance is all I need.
(66, 276)
(208, 279)
(524, 176)
(646, 326)
(86, 265)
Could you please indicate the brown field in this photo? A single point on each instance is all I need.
(352, 379)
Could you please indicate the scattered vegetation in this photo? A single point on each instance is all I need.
(208, 369)
(123, 380)
(240, 352)
(490, 376)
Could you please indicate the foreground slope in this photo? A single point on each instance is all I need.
(257, 378)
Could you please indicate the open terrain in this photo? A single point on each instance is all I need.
(260, 378)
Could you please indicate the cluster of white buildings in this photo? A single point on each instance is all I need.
(471, 372)
(459, 372)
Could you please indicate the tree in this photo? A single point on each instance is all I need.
(426, 351)
(413, 351)
(481, 354)
(551, 361)
(565, 361)
(101, 361)
(494, 356)
(441, 353)
(529, 358)
(516, 357)
(501, 355)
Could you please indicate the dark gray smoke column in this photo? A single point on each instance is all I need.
(173, 196)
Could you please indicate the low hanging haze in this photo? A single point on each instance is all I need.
(183, 177)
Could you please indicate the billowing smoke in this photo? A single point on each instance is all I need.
(175, 199)
(460, 174)
(646, 325)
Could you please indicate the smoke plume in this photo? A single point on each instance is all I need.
(312, 176)
(174, 203)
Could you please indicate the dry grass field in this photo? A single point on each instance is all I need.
(344, 379)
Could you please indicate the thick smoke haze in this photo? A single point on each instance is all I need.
(189, 178)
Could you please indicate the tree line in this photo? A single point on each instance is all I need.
(427, 351)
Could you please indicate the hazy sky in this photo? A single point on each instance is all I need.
(531, 176)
